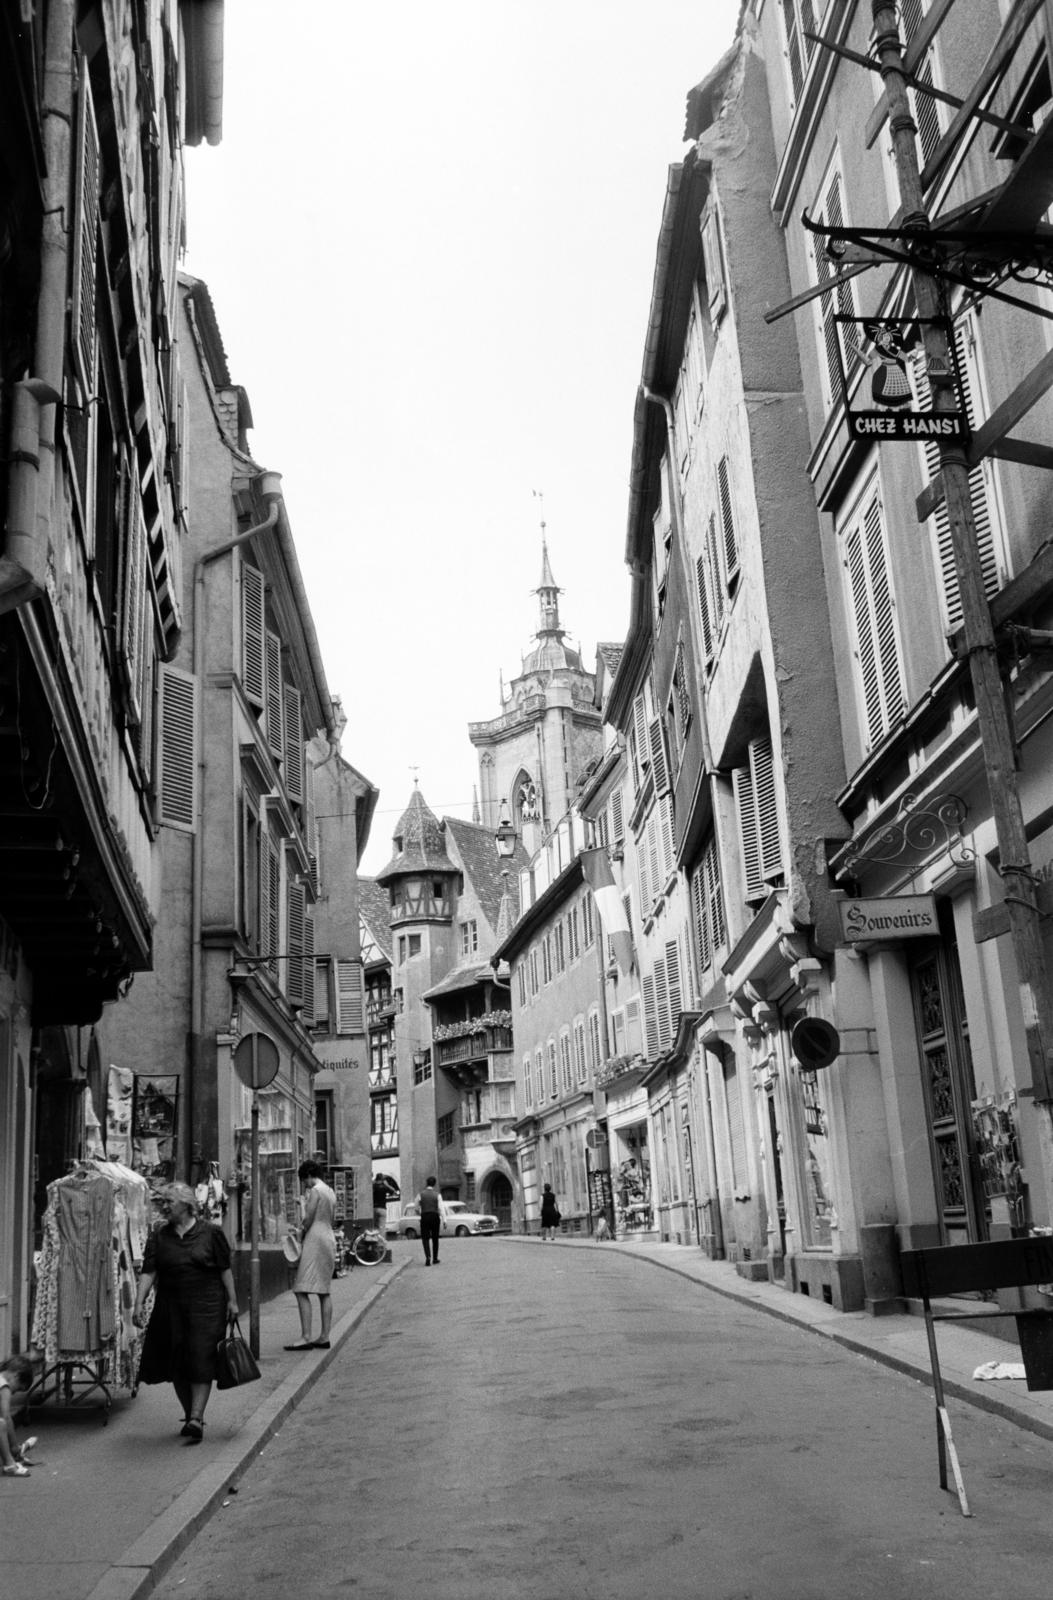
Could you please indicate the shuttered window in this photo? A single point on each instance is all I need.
(85, 235)
(705, 611)
(308, 968)
(350, 997)
(296, 909)
(840, 298)
(274, 708)
(272, 931)
(873, 608)
(252, 630)
(798, 20)
(983, 483)
(661, 1001)
(727, 522)
(925, 108)
(673, 980)
(176, 764)
(713, 258)
(659, 762)
(133, 625)
(707, 906)
(650, 1017)
(617, 817)
(758, 819)
(293, 770)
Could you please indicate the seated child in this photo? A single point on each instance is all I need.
(16, 1379)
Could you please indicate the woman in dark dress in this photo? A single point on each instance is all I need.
(550, 1216)
(189, 1261)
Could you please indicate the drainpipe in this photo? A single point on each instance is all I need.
(270, 488)
(35, 400)
(678, 523)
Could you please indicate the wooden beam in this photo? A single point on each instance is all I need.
(1016, 405)
(1024, 452)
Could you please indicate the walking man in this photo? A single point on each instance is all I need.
(432, 1221)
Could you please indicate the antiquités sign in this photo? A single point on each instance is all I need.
(897, 916)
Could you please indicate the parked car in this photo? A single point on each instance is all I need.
(460, 1220)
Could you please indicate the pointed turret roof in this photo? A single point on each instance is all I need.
(550, 650)
(420, 845)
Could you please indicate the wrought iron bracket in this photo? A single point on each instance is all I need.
(912, 835)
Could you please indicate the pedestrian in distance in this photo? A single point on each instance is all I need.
(550, 1215)
(188, 1262)
(16, 1380)
(314, 1272)
(432, 1221)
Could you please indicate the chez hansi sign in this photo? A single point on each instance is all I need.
(897, 916)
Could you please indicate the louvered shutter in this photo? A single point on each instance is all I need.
(794, 51)
(643, 750)
(727, 519)
(766, 802)
(661, 1004)
(133, 598)
(742, 782)
(273, 709)
(698, 909)
(295, 916)
(673, 979)
(653, 859)
(715, 575)
(839, 299)
(713, 257)
(982, 490)
(705, 614)
(665, 830)
(659, 763)
(308, 968)
(176, 764)
(273, 926)
(617, 817)
(264, 890)
(926, 111)
(85, 234)
(350, 999)
(877, 648)
(650, 1017)
(252, 629)
(715, 896)
(293, 770)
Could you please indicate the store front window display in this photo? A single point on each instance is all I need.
(632, 1186)
(818, 1184)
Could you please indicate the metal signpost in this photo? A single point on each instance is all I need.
(256, 1064)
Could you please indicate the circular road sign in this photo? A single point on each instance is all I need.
(256, 1060)
(815, 1042)
(594, 1139)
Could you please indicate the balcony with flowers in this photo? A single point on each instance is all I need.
(620, 1072)
(474, 1039)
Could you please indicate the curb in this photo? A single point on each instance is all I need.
(135, 1573)
(920, 1372)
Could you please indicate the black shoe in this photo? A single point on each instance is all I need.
(435, 1263)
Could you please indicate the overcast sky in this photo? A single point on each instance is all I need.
(429, 234)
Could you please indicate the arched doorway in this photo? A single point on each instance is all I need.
(497, 1199)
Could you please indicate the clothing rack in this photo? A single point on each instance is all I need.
(95, 1228)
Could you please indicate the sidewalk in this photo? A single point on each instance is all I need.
(109, 1508)
(896, 1341)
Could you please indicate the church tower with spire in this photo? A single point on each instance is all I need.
(533, 753)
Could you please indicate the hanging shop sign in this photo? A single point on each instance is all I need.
(897, 402)
(816, 1043)
(896, 916)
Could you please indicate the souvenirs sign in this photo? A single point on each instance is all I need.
(897, 400)
(895, 916)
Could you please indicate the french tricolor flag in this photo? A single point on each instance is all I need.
(598, 875)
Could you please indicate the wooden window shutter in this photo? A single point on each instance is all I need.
(673, 979)
(308, 968)
(176, 763)
(753, 881)
(766, 802)
(877, 648)
(293, 771)
(273, 925)
(840, 297)
(617, 817)
(653, 857)
(350, 999)
(659, 763)
(85, 236)
(643, 749)
(982, 489)
(698, 910)
(650, 1017)
(718, 929)
(716, 576)
(296, 907)
(727, 519)
(794, 51)
(713, 257)
(665, 830)
(252, 630)
(133, 597)
(661, 1000)
(924, 107)
(273, 709)
(264, 891)
(705, 615)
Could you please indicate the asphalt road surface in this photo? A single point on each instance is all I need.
(535, 1422)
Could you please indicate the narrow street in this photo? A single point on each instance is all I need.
(544, 1422)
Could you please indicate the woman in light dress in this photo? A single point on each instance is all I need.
(314, 1274)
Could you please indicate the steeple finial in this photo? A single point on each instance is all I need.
(547, 590)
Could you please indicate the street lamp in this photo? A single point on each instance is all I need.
(505, 837)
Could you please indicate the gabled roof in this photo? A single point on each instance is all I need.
(374, 909)
(420, 845)
(483, 866)
(467, 977)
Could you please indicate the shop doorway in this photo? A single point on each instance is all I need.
(947, 1077)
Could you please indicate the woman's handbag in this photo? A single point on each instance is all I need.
(235, 1362)
(291, 1248)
